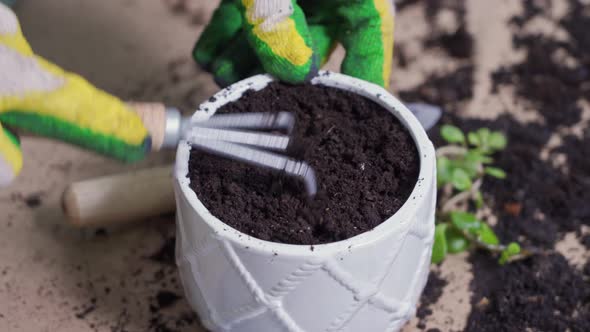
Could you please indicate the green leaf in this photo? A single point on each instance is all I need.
(460, 179)
(444, 171)
(456, 242)
(495, 172)
(484, 136)
(473, 139)
(476, 155)
(471, 167)
(486, 235)
(465, 221)
(497, 140)
(503, 258)
(511, 250)
(452, 134)
(439, 248)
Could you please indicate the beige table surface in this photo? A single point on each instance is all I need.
(55, 278)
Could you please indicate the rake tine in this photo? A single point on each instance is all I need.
(280, 120)
(262, 140)
(260, 158)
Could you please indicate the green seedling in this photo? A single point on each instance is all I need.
(461, 168)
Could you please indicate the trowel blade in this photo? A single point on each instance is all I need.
(427, 114)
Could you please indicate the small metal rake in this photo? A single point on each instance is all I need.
(235, 136)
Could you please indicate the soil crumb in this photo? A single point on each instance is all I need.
(33, 200)
(165, 254)
(166, 298)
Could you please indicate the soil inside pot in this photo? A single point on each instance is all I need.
(365, 160)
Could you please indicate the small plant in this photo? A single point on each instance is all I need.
(461, 167)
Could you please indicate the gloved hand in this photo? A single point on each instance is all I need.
(291, 39)
(37, 96)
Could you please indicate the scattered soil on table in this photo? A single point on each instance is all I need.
(162, 323)
(87, 309)
(33, 200)
(540, 200)
(554, 77)
(165, 311)
(431, 294)
(447, 90)
(402, 4)
(550, 204)
(166, 298)
(399, 55)
(365, 160)
(558, 196)
(543, 293)
(165, 254)
(540, 294)
(458, 44)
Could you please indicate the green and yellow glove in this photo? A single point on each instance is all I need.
(38, 96)
(291, 40)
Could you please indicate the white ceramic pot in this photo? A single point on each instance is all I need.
(370, 282)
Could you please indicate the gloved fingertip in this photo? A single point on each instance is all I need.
(226, 73)
(204, 61)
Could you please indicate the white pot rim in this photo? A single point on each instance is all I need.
(396, 223)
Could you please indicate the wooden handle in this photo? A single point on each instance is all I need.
(153, 116)
(120, 198)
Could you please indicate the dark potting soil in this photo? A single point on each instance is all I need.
(542, 293)
(365, 161)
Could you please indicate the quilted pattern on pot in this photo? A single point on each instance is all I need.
(236, 289)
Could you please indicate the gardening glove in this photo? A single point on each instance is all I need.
(38, 96)
(291, 40)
